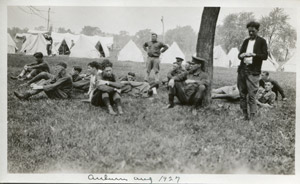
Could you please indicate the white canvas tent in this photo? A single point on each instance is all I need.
(84, 48)
(220, 57)
(170, 54)
(11, 45)
(270, 64)
(233, 57)
(290, 65)
(35, 43)
(60, 38)
(131, 52)
(99, 42)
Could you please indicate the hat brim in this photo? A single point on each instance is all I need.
(199, 59)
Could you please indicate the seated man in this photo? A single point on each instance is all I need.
(189, 86)
(76, 73)
(80, 81)
(276, 87)
(55, 87)
(136, 88)
(266, 97)
(107, 91)
(33, 69)
(226, 92)
(177, 68)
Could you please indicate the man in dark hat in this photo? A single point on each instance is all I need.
(179, 60)
(253, 51)
(189, 86)
(55, 87)
(153, 48)
(33, 69)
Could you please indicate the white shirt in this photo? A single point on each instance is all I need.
(93, 84)
(249, 60)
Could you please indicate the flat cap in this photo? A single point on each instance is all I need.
(198, 59)
(179, 58)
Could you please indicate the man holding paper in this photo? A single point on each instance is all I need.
(252, 53)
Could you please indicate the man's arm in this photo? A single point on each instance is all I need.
(243, 50)
(180, 77)
(145, 46)
(164, 47)
(38, 66)
(279, 88)
(264, 54)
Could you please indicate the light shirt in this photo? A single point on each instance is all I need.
(249, 60)
(93, 86)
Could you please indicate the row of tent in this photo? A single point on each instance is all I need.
(75, 45)
(97, 46)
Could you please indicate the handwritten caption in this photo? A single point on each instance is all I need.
(161, 179)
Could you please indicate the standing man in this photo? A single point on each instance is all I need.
(49, 44)
(153, 48)
(252, 53)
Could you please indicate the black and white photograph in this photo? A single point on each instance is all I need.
(107, 89)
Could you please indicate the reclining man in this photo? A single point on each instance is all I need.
(226, 92)
(33, 69)
(189, 86)
(276, 87)
(136, 88)
(80, 81)
(265, 97)
(107, 92)
(55, 87)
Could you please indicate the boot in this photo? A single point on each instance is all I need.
(245, 113)
(110, 110)
(120, 109)
(24, 96)
(171, 102)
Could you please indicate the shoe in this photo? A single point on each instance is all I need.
(170, 106)
(14, 78)
(120, 110)
(20, 96)
(110, 110)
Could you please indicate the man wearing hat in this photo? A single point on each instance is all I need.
(189, 86)
(33, 69)
(179, 60)
(55, 87)
(153, 48)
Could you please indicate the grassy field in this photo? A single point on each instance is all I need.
(67, 136)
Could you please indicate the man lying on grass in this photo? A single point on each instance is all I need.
(226, 92)
(55, 87)
(266, 97)
(33, 69)
(135, 88)
(107, 92)
(189, 86)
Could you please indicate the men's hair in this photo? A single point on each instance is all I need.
(94, 64)
(62, 64)
(253, 24)
(38, 55)
(131, 74)
(106, 63)
(269, 82)
(77, 68)
(154, 34)
(266, 73)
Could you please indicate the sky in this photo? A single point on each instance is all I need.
(116, 19)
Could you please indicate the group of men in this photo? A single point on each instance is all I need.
(188, 83)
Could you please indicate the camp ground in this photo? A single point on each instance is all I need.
(220, 57)
(171, 53)
(11, 45)
(290, 65)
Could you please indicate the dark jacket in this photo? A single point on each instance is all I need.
(260, 49)
(276, 87)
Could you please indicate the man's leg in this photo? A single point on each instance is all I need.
(32, 73)
(198, 96)
(23, 72)
(241, 83)
(57, 94)
(105, 98)
(40, 76)
(149, 66)
(156, 68)
(117, 101)
(27, 94)
(252, 85)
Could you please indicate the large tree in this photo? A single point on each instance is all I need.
(91, 31)
(205, 43)
(233, 30)
(280, 35)
(64, 30)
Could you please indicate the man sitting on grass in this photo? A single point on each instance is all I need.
(265, 97)
(108, 91)
(227, 92)
(265, 77)
(76, 73)
(189, 86)
(55, 87)
(177, 68)
(33, 69)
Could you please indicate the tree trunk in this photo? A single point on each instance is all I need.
(205, 44)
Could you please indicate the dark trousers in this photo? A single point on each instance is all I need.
(40, 76)
(99, 98)
(248, 85)
(82, 85)
(187, 94)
